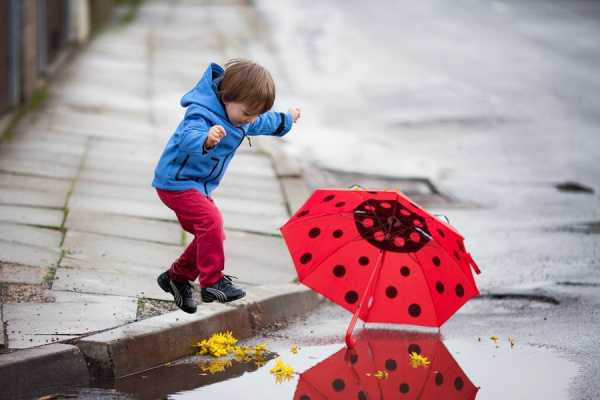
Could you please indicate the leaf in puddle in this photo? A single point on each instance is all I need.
(214, 366)
(294, 349)
(511, 340)
(418, 360)
(494, 339)
(379, 374)
(282, 371)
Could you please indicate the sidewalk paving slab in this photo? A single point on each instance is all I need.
(37, 257)
(110, 283)
(33, 198)
(71, 315)
(36, 167)
(123, 226)
(90, 247)
(22, 274)
(35, 183)
(30, 235)
(31, 215)
(42, 367)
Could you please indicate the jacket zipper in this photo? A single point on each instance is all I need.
(224, 162)
(185, 160)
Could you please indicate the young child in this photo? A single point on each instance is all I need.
(223, 108)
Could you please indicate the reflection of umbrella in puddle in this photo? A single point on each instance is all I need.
(351, 373)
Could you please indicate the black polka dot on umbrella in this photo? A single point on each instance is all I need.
(439, 378)
(391, 365)
(461, 246)
(404, 388)
(405, 271)
(314, 232)
(460, 290)
(339, 271)
(338, 233)
(340, 204)
(338, 385)
(304, 397)
(353, 358)
(391, 292)
(458, 383)
(351, 297)
(306, 257)
(414, 310)
(328, 197)
(303, 213)
(362, 395)
(456, 255)
(414, 348)
(441, 232)
(363, 261)
(436, 261)
(439, 287)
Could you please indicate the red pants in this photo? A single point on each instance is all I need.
(204, 257)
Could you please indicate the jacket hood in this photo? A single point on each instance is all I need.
(204, 93)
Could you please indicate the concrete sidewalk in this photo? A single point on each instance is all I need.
(82, 233)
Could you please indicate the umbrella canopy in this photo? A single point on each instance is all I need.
(379, 367)
(380, 256)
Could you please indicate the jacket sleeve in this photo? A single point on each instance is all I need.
(194, 132)
(271, 124)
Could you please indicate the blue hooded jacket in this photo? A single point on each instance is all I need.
(184, 164)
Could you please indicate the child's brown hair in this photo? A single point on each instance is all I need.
(248, 83)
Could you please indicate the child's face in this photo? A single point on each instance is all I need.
(238, 113)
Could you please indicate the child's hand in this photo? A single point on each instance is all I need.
(295, 113)
(215, 134)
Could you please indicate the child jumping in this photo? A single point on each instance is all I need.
(224, 107)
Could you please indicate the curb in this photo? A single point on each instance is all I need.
(143, 345)
(26, 371)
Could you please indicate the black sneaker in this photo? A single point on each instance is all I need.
(222, 291)
(182, 292)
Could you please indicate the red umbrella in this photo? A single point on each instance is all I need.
(380, 256)
(379, 367)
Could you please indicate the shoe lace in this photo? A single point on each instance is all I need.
(185, 288)
(228, 280)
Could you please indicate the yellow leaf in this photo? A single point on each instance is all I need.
(282, 371)
(294, 349)
(418, 360)
(381, 374)
(494, 339)
(511, 340)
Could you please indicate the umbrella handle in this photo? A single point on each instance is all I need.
(350, 342)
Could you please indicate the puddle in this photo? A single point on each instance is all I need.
(379, 368)
(422, 190)
(588, 228)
